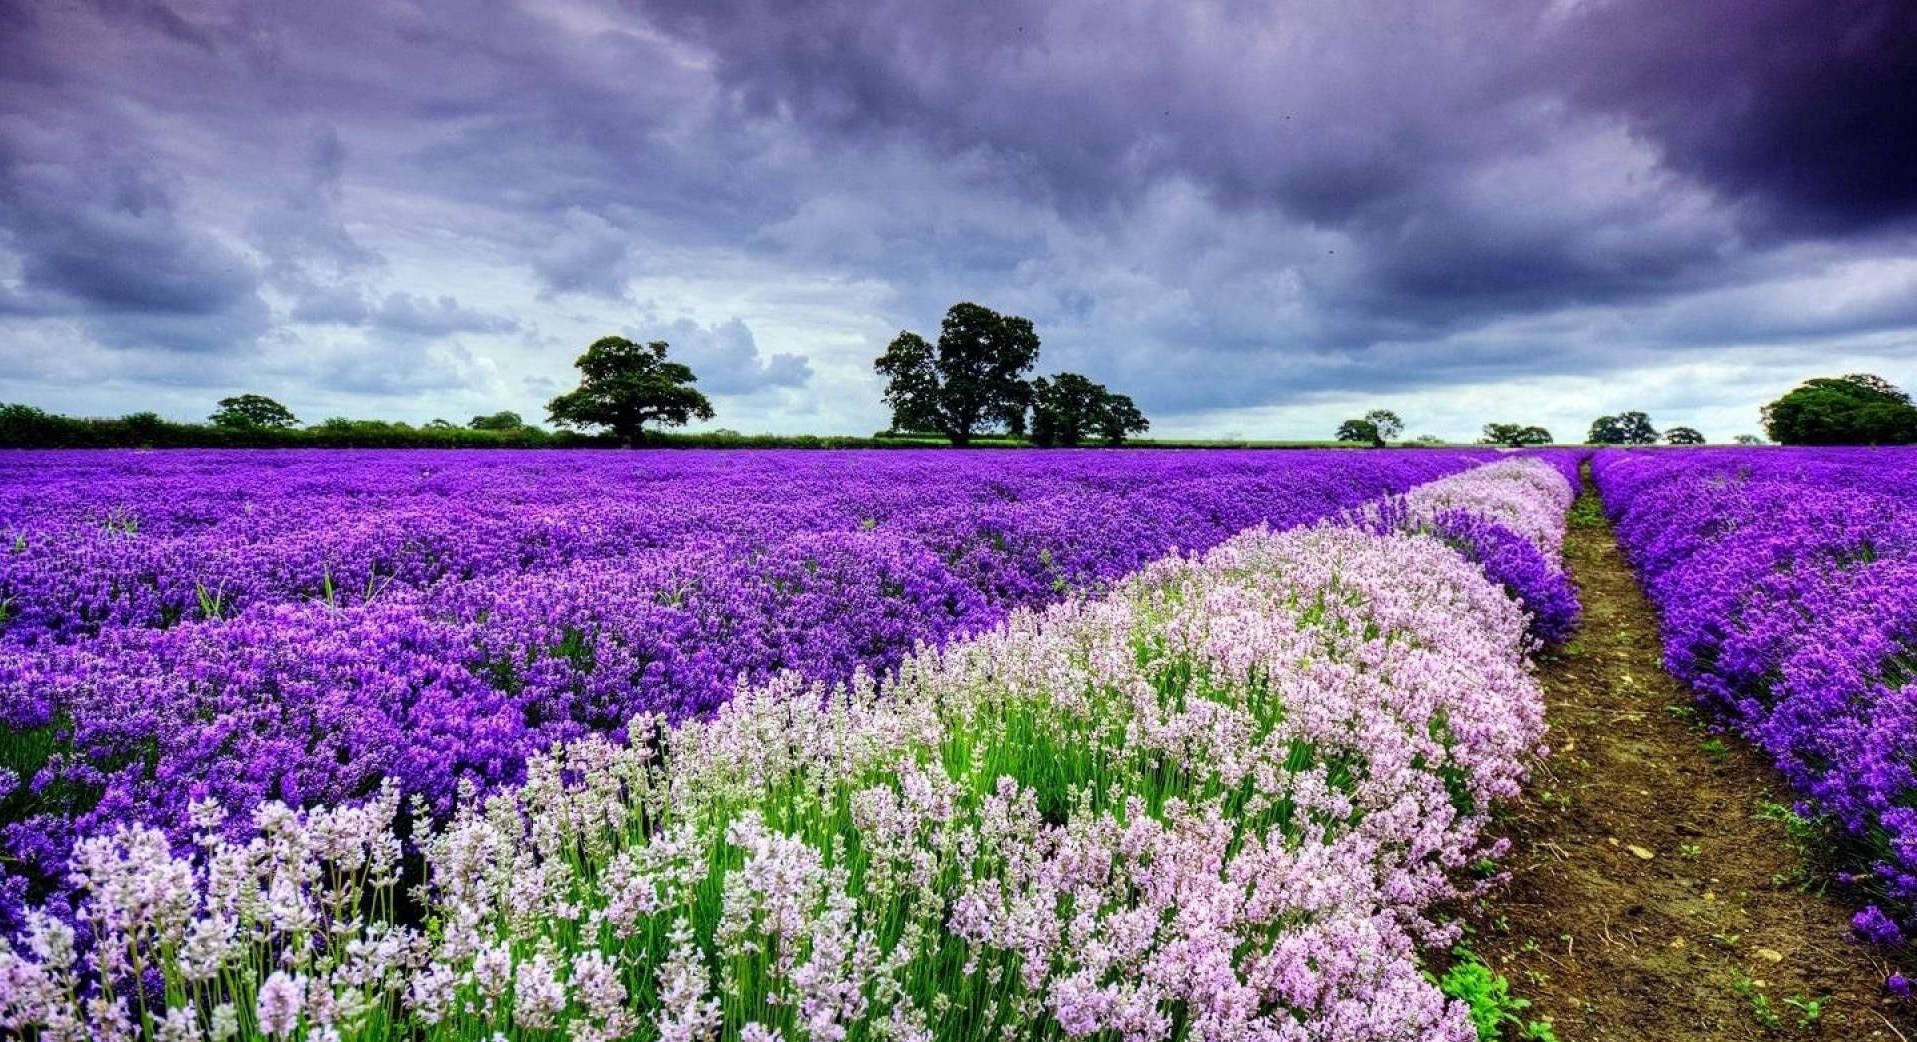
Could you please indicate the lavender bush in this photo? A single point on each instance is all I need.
(1787, 584)
(1219, 802)
(1507, 519)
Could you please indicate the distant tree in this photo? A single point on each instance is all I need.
(972, 381)
(1360, 432)
(1626, 428)
(504, 420)
(1748, 439)
(1120, 419)
(1429, 441)
(252, 412)
(1856, 409)
(143, 426)
(1068, 409)
(1514, 435)
(1063, 407)
(625, 386)
(441, 424)
(1388, 424)
(1683, 436)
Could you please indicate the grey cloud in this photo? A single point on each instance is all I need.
(726, 358)
(587, 254)
(400, 312)
(420, 316)
(104, 239)
(303, 234)
(336, 305)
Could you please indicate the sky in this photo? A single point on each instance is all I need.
(1257, 218)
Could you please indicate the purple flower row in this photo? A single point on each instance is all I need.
(1786, 580)
(521, 602)
(1508, 520)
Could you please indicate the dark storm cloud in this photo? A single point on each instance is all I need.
(1377, 120)
(1803, 106)
(1209, 204)
(105, 241)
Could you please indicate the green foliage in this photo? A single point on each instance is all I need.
(1514, 435)
(1809, 1010)
(626, 386)
(340, 432)
(1120, 419)
(1626, 428)
(251, 412)
(505, 420)
(971, 382)
(23, 426)
(1069, 408)
(1493, 1007)
(1683, 436)
(1361, 432)
(1587, 511)
(1761, 1008)
(1747, 439)
(1857, 409)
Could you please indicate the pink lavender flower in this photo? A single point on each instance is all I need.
(281, 996)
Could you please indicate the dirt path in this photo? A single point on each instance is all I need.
(1653, 896)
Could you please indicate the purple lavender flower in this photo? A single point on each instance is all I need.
(1786, 580)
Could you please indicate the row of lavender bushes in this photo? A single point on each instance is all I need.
(300, 626)
(1222, 801)
(1786, 580)
(99, 541)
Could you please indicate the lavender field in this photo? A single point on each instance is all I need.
(1786, 580)
(769, 745)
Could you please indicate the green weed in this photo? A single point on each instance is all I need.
(1761, 1007)
(1587, 512)
(1809, 1010)
(1488, 994)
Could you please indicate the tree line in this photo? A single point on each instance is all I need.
(973, 383)
(972, 386)
(1854, 409)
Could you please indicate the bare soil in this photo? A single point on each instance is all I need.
(1654, 893)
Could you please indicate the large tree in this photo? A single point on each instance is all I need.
(1857, 409)
(1069, 408)
(971, 382)
(1120, 419)
(1626, 428)
(1683, 436)
(252, 412)
(1361, 432)
(625, 386)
